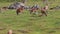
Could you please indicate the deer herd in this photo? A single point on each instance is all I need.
(32, 9)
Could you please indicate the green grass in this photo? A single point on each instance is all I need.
(33, 25)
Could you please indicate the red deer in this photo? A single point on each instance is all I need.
(5, 8)
(43, 11)
(19, 10)
(33, 10)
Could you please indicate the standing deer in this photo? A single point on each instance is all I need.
(19, 10)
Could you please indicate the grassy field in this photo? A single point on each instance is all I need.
(26, 24)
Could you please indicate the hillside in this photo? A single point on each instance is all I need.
(26, 24)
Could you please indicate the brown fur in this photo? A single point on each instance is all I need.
(43, 11)
(33, 10)
(19, 10)
(5, 8)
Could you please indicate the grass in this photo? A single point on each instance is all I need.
(30, 25)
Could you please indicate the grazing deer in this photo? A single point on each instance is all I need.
(33, 9)
(5, 8)
(19, 10)
(43, 11)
